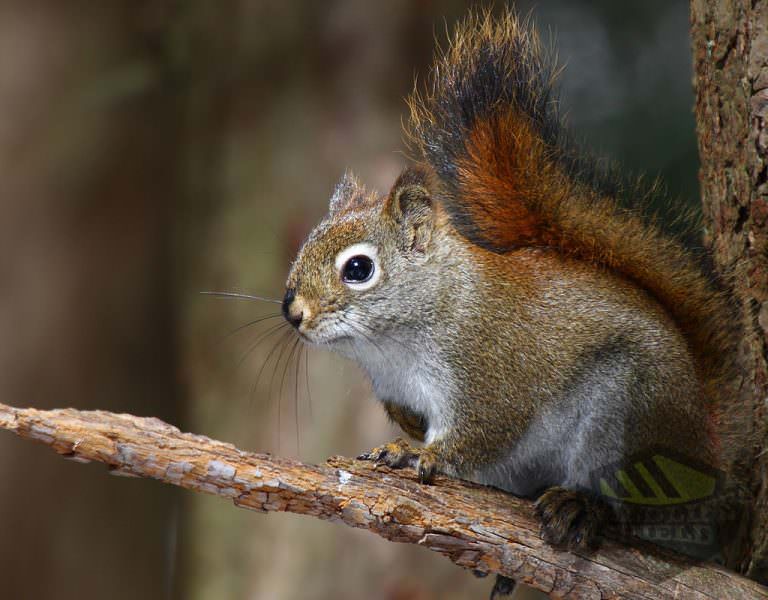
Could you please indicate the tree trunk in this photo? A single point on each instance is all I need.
(89, 139)
(730, 46)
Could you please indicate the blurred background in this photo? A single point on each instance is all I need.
(150, 150)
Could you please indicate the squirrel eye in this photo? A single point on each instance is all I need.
(358, 266)
(357, 269)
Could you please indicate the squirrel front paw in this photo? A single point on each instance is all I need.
(399, 454)
(570, 518)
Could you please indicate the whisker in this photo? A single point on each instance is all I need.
(282, 344)
(402, 344)
(248, 324)
(255, 385)
(239, 296)
(306, 382)
(285, 373)
(296, 397)
(358, 327)
(269, 356)
(260, 338)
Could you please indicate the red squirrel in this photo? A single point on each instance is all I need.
(508, 312)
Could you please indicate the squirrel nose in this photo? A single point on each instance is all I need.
(293, 318)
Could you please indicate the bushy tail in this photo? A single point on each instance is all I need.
(489, 128)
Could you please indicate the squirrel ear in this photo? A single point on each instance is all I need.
(347, 190)
(410, 205)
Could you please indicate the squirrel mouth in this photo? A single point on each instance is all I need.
(323, 338)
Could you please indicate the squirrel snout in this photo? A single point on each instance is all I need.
(292, 309)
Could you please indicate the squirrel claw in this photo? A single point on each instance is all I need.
(397, 454)
(427, 466)
(570, 519)
(400, 454)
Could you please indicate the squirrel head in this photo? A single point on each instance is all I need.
(365, 254)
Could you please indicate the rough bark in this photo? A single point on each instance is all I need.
(478, 528)
(730, 46)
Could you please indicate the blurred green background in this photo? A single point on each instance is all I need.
(153, 150)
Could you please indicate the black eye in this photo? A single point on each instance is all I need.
(357, 269)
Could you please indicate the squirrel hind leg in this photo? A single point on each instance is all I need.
(502, 587)
(572, 519)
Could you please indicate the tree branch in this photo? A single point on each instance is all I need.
(478, 528)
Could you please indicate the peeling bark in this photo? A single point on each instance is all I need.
(730, 47)
(476, 527)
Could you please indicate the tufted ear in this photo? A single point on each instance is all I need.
(347, 191)
(410, 205)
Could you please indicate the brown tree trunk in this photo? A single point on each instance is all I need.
(730, 46)
(89, 137)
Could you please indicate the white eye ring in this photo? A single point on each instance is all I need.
(362, 249)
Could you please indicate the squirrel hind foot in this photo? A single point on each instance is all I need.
(502, 588)
(571, 519)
